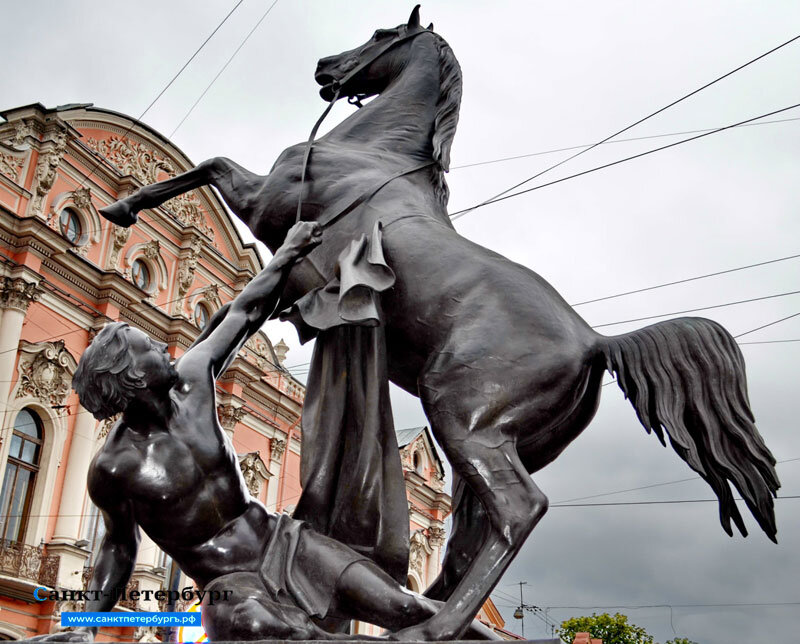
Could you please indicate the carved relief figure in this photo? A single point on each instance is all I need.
(45, 372)
(46, 170)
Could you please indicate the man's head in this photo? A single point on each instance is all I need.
(117, 366)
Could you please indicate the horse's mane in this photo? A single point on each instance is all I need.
(446, 114)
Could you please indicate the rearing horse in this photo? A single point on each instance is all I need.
(507, 372)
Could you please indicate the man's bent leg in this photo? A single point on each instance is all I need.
(366, 593)
(249, 613)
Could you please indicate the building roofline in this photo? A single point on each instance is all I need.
(90, 107)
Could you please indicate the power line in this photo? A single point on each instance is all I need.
(666, 502)
(647, 487)
(168, 85)
(634, 606)
(701, 308)
(688, 279)
(764, 326)
(738, 335)
(626, 140)
(771, 341)
(224, 67)
(632, 125)
(461, 213)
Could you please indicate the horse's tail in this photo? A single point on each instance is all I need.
(686, 376)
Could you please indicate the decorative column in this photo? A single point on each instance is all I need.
(67, 534)
(186, 269)
(276, 449)
(16, 296)
(81, 451)
(229, 416)
(436, 539)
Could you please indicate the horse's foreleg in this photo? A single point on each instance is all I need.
(234, 182)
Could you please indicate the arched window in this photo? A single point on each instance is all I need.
(417, 463)
(70, 224)
(20, 477)
(201, 316)
(140, 274)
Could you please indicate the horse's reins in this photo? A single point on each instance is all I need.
(337, 87)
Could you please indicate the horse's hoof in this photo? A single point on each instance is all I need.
(120, 213)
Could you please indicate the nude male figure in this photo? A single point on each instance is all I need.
(168, 468)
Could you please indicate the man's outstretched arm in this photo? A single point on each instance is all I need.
(115, 558)
(253, 306)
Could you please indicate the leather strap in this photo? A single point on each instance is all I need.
(364, 196)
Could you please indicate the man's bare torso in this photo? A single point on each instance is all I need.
(185, 488)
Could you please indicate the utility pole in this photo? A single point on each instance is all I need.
(520, 612)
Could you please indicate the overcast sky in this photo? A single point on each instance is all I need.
(539, 76)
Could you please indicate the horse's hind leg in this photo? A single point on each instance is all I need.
(467, 535)
(235, 183)
(481, 449)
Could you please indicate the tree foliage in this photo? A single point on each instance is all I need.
(611, 629)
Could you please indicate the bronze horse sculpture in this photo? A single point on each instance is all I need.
(507, 372)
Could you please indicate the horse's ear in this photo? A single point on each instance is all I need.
(413, 20)
(430, 27)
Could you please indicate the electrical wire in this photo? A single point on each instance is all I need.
(636, 606)
(224, 67)
(688, 279)
(632, 125)
(739, 335)
(701, 308)
(168, 85)
(461, 213)
(768, 324)
(647, 487)
(667, 502)
(626, 140)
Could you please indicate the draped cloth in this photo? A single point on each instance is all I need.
(350, 470)
(301, 568)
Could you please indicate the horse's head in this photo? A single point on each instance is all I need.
(366, 70)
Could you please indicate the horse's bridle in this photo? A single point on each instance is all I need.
(337, 86)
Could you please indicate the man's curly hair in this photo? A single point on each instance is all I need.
(105, 379)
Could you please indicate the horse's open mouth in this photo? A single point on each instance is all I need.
(327, 93)
(327, 81)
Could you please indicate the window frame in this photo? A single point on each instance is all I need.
(206, 309)
(67, 215)
(33, 467)
(148, 286)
